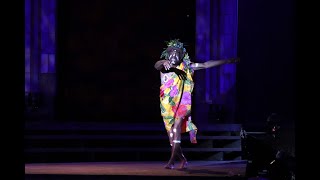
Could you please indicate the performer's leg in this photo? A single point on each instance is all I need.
(176, 150)
(182, 158)
(170, 135)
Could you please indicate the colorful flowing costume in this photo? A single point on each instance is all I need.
(175, 98)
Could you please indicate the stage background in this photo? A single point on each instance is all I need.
(106, 51)
(106, 54)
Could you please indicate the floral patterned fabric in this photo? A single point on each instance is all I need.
(175, 99)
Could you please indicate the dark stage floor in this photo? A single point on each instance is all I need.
(136, 170)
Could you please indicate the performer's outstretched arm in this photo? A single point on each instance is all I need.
(213, 63)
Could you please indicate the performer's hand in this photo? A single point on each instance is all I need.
(234, 60)
(181, 74)
(167, 65)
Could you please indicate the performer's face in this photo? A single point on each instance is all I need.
(174, 57)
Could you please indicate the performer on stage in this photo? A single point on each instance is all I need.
(176, 72)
